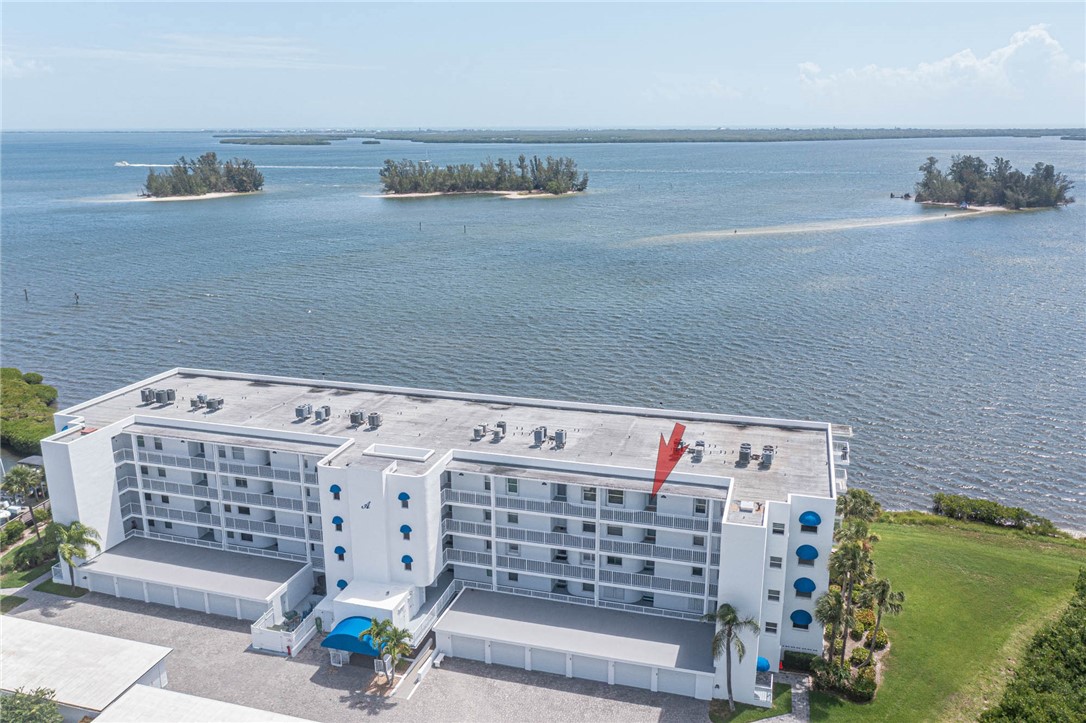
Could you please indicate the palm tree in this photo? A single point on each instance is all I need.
(729, 626)
(850, 564)
(886, 601)
(830, 611)
(390, 640)
(20, 482)
(856, 530)
(73, 541)
(858, 504)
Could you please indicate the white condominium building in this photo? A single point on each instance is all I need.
(519, 531)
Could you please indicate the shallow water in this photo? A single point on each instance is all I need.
(954, 348)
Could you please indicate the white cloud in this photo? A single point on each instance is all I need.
(13, 68)
(674, 86)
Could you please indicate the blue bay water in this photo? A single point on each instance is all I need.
(953, 346)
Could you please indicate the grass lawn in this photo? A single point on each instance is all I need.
(18, 578)
(10, 602)
(974, 597)
(782, 704)
(65, 590)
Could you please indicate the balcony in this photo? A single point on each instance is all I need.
(259, 500)
(654, 519)
(264, 471)
(462, 527)
(468, 557)
(659, 552)
(464, 497)
(551, 507)
(127, 483)
(123, 455)
(192, 517)
(539, 537)
(553, 569)
(169, 460)
(204, 492)
(265, 528)
(651, 582)
(131, 510)
(266, 552)
(313, 506)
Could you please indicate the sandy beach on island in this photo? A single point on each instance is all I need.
(125, 198)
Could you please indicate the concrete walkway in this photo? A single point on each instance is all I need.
(801, 698)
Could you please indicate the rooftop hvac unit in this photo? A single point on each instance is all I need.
(478, 432)
(160, 396)
(171, 395)
(768, 452)
(357, 418)
(202, 398)
(699, 450)
(559, 438)
(375, 419)
(744, 453)
(300, 412)
(319, 414)
(147, 395)
(497, 435)
(539, 436)
(503, 427)
(195, 403)
(327, 411)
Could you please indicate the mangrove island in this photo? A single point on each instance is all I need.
(204, 175)
(973, 182)
(554, 176)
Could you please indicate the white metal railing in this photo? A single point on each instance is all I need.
(713, 592)
(130, 510)
(464, 497)
(652, 582)
(170, 460)
(645, 549)
(556, 569)
(262, 470)
(270, 528)
(763, 694)
(58, 572)
(646, 610)
(196, 518)
(541, 537)
(123, 455)
(261, 500)
(467, 556)
(127, 482)
(263, 552)
(174, 538)
(549, 507)
(311, 478)
(481, 529)
(558, 597)
(654, 519)
(418, 628)
(204, 492)
(266, 637)
(316, 535)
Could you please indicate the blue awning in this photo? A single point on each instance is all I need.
(810, 517)
(341, 550)
(806, 552)
(801, 617)
(341, 584)
(804, 584)
(349, 635)
(403, 496)
(337, 520)
(335, 488)
(763, 664)
(405, 529)
(406, 559)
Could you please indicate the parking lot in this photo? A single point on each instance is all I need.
(212, 658)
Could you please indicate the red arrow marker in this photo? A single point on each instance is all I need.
(669, 454)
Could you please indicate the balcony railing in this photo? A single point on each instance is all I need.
(644, 549)
(123, 455)
(463, 527)
(195, 518)
(174, 538)
(557, 539)
(311, 478)
(468, 556)
(315, 535)
(654, 519)
(266, 528)
(646, 610)
(263, 552)
(131, 510)
(554, 569)
(127, 483)
(313, 506)
(170, 460)
(550, 507)
(204, 492)
(258, 500)
(652, 582)
(464, 497)
(263, 470)
(558, 597)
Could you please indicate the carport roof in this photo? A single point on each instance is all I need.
(144, 704)
(219, 572)
(581, 630)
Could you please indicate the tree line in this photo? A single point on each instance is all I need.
(550, 175)
(970, 180)
(205, 174)
(960, 507)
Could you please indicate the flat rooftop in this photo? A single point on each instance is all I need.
(198, 568)
(35, 655)
(146, 704)
(599, 632)
(422, 420)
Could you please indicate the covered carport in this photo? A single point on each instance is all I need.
(620, 648)
(213, 581)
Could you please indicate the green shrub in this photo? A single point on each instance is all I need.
(25, 416)
(33, 554)
(865, 619)
(13, 531)
(881, 640)
(798, 661)
(960, 507)
(858, 656)
(863, 688)
(830, 676)
(33, 378)
(856, 634)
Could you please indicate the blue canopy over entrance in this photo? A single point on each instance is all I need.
(763, 664)
(345, 637)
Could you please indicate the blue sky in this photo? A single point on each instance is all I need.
(283, 65)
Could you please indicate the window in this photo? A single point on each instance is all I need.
(339, 527)
(222, 452)
(160, 471)
(488, 547)
(243, 510)
(808, 528)
(335, 495)
(588, 587)
(649, 568)
(801, 594)
(486, 483)
(140, 441)
(169, 525)
(615, 497)
(147, 496)
(158, 443)
(340, 556)
(701, 507)
(775, 563)
(806, 563)
(588, 558)
(588, 494)
(246, 537)
(514, 577)
(650, 537)
(561, 556)
(514, 550)
(237, 453)
(230, 535)
(589, 528)
(614, 561)
(227, 508)
(778, 528)
(512, 486)
(513, 518)
(486, 515)
(614, 531)
(771, 628)
(489, 573)
(699, 541)
(798, 626)
(774, 596)
(241, 482)
(407, 535)
(648, 599)
(407, 566)
(144, 470)
(310, 519)
(404, 504)
(312, 547)
(150, 523)
(697, 571)
(165, 499)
